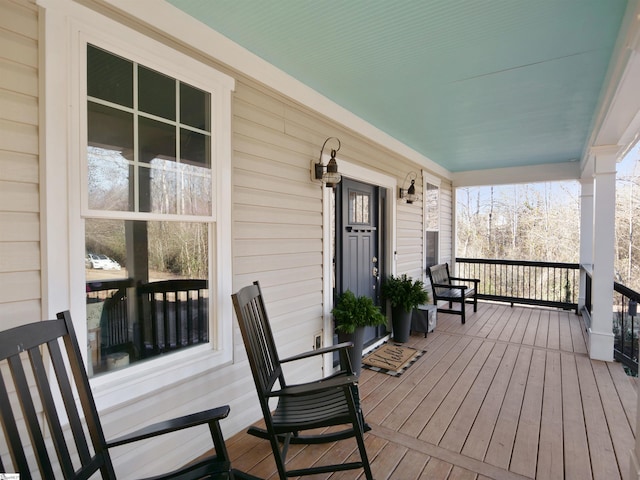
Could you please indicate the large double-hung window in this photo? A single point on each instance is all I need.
(150, 209)
(136, 189)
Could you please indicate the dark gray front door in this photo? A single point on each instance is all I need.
(358, 240)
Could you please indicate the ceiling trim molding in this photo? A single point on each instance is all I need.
(551, 172)
(174, 24)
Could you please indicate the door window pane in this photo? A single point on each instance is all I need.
(358, 208)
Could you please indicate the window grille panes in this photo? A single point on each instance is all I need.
(192, 107)
(358, 208)
(108, 158)
(156, 93)
(148, 154)
(169, 172)
(109, 77)
(194, 148)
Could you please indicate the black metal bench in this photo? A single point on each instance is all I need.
(444, 289)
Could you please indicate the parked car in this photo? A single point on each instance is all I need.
(109, 263)
(93, 260)
(99, 261)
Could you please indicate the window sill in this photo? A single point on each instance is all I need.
(142, 379)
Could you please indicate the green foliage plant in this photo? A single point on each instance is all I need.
(403, 291)
(352, 312)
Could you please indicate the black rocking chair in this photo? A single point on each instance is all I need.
(35, 359)
(332, 401)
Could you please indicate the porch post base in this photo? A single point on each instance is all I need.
(634, 466)
(600, 345)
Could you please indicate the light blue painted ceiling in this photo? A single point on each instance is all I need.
(470, 84)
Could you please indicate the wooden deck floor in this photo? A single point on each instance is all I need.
(511, 394)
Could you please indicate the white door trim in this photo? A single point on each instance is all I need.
(366, 175)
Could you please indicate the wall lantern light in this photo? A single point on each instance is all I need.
(409, 194)
(331, 177)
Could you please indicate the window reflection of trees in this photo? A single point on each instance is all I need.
(176, 188)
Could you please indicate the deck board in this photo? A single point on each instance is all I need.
(437, 425)
(501, 442)
(576, 449)
(415, 423)
(509, 395)
(530, 332)
(527, 435)
(461, 424)
(603, 461)
(553, 337)
(551, 450)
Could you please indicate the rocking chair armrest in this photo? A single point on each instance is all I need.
(173, 425)
(330, 383)
(319, 351)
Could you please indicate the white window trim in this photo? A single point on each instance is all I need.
(64, 29)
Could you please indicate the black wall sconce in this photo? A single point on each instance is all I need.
(409, 195)
(331, 177)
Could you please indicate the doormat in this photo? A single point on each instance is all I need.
(391, 358)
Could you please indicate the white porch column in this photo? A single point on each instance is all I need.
(601, 329)
(586, 235)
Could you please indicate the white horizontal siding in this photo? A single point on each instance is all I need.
(18, 137)
(20, 286)
(14, 313)
(19, 17)
(17, 48)
(19, 166)
(410, 235)
(19, 256)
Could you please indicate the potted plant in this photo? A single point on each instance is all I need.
(404, 294)
(351, 315)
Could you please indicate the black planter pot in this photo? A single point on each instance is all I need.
(355, 353)
(401, 320)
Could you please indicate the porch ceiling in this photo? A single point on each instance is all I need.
(469, 84)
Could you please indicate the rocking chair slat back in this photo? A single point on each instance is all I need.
(258, 338)
(34, 388)
(51, 427)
